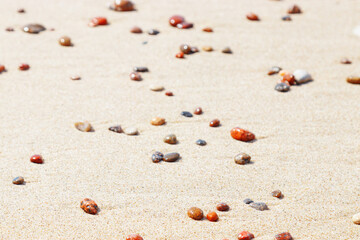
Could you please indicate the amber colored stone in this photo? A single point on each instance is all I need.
(37, 159)
(136, 30)
(283, 236)
(212, 216)
(276, 193)
(252, 17)
(245, 235)
(223, 207)
(207, 29)
(215, 123)
(345, 61)
(2, 68)
(175, 20)
(123, 5)
(89, 206)
(207, 48)
(157, 121)
(170, 139)
(185, 48)
(184, 25)
(179, 55)
(33, 28)
(65, 41)
(195, 213)
(134, 237)
(198, 111)
(84, 126)
(96, 21)
(294, 9)
(168, 93)
(288, 78)
(242, 134)
(353, 79)
(24, 67)
(135, 76)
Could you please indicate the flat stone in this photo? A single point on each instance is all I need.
(248, 201)
(201, 142)
(156, 88)
(84, 126)
(353, 79)
(33, 28)
(242, 158)
(18, 180)
(140, 69)
(261, 206)
(153, 32)
(131, 131)
(302, 76)
(170, 139)
(356, 218)
(207, 48)
(171, 157)
(116, 129)
(186, 114)
(282, 87)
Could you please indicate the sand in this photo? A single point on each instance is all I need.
(308, 139)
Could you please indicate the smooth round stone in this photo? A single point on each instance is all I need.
(353, 79)
(131, 131)
(185, 48)
(186, 114)
(171, 157)
(201, 142)
(195, 213)
(261, 206)
(242, 158)
(248, 201)
(157, 157)
(207, 48)
(282, 87)
(157, 121)
(277, 194)
(170, 139)
(84, 126)
(356, 218)
(156, 88)
(302, 76)
(18, 180)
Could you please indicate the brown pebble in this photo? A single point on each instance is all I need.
(184, 25)
(226, 50)
(207, 29)
(21, 10)
(215, 123)
(276, 193)
(2, 68)
(179, 55)
(194, 49)
(353, 79)
(84, 126)
(294, 9)
(345, 61)
(274, 70)
(185, 48)
(195, 213)
(18, 180)
(170, 139)
(24, 67)
(157, 121)
(242, 158)
(89, 206)
(37, 159)
(135, 76)
(9, 29)
(198, 111)
(223, 207)
(171, 157)
(212, 216)
(207, 48)
(252, 17)
(75, 77)
(65, 41)
(136, 30)
(33, 28)
(168, 93)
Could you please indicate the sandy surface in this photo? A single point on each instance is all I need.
(308, 139)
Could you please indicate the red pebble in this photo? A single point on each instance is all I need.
(175, 20)
(245, 235)
(242, 134)
(134, 237)
(180, 55)
(184, 25)
(283, 236)
(198, 111)
(2, 68)
(169, 94)
(37, 159)
(135, 76)
(214, 123)
(252, 17)
(98, 21)
(24, 67)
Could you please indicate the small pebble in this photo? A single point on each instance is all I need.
(75, 77)
(98, 21)
(302, 76)
(201, 142)
(194, 49)
(245, 235)
(33, 28)
(282, 87)
(18, 180)
(153, 32)
(195, 213)
(212, 216)
(136, 30)
(141, 69)
(175, 20)
(248, 201)
(252, 17)
(65, 41)
(122, 6)
(286, 18)
(214, 123)
(242, 134)
(207, 29)
(157, 157)
(226, 50)
(2, 68)
(156, 88)
(288, 78)
(283, 236)
(356, 218)
(158, 121)
(274, 70)
(168, 93)
(116, 129)
(185, 48)
(294, 9)
(184, 25)
(37, 159)
(207, 48)
(9, 29)
(186, 114)
(198, 111)
(89, 206)
(21, 10)
(179, 55)
(132, 131)
(259, 206)
(223, 207)
(242, 158)
(134, 237)
(276, 193)
(345, 61)
(353, 79)
(170, 139)
(171, 157)
(135, 76)
(84, 126)
(24, 67)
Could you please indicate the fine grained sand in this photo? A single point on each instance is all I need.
(308, 139)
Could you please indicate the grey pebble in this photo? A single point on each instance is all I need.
(171, 157)
(282, 87)
(201, 142)
(248, 201)
(116, 129)
(261, 206)
(186, 114)
(302, 76)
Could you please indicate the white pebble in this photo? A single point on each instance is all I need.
(356, 218)
(156, 88)
(302, 76)
(131, 131)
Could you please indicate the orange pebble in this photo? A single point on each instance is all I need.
(283, 72)
(134, 237)
(288, 78)
(242, 134)
(98, 21)
(180, 55)
(212, 216)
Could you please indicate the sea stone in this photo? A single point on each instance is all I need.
(245, 235)
(261, 206)
(84, 126)
(18, 180)
(242, 134)
(353, 79)
(223, 207)
(276, 193)
(273, 70)
(195, 213)
(140, 69)
(242, 158)
(170, 139)
(186, 114)
(156, 88)
(283, 236)
(356, 218)
(116, 129)
(89, 206)
(226, 50)
(157, 157)
(248, 201)
(302, 76)
(33, 28)
(157, 121)
(171, 157)
(201, 142)
(131, 131)
(282, 87)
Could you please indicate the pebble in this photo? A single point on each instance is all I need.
(286, 18)
(135, 76)
(141, 69)
(195, 213)
(288, 78)
(207, 29)
(116, 129)
(222, 207)
(65, 41)
(194, 49)
(175, 20)
(245, 235)
(242, 158)
(171, 157)
(157, 157)
(33, 28)
(168, 93)
(185, 48)
(252, 17)
(207, 48)
(214, 123)
(277, 194)
(179, 55)
(75, 77)
(356, 218)
(184, 25)
(89, 206)
(212, 216)
(18, 180)
(248, 201)
(201, 142)
(21, 10)
(84, 126)
(198, 111)
(353, 79)
(136, 30)
(294, 9)
(98, 21)
(134, 237)
(261, 206)
(2, 68)
(24, 67)
(37, 159)
(283, 236)
(302, 76)
(282, 87)
(186, 114)
(9, 29)
(170, 139)
(122, 6)
(156, 88)
(157, 121)
(345, 61)
(242, 134)
(131, 131)
(153, 32)
(226, 50)
(274, 70)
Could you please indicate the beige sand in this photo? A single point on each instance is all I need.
(309, 144)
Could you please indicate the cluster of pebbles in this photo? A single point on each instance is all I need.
(287, 79)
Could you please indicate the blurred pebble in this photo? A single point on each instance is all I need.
(186, 114)
(116, 129)
(277, 194)
(245, 235)
(259, 206)
(207, 48)
(274, 70)
(356, 218)
(248, 201)
(198, 111)
(33, 28)
(214, 123)
(134, 237)
(282, 87)
(156, 88)
(75, 77)
(84, 126)
(286, 18)
(170, 139)
(18, 180)
(345, 61)
(283, 236)
(222, 207)
(302, 76)
(201, 142)
(226, 50)
(157, 121)
(353, 79)
(153, 32)
(242, 158)
(294, 9)
(212, 216)
(195, 213)
(207, 29)
(140, 69)
(131, 131)
(252, 17)
(136, 29)
(157, 157)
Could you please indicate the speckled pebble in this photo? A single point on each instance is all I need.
(131, 131)
(248, 201)
(242, 158)
(84, 126)
(18, 180)
(186, 114)
(171, 157)
(195, 213)
(157, 157)
(170, 139)
(201, 142)
(302, 76)
(261, 206)
(283, 236)
(274, 70)
(116, 129)
(282, 87)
